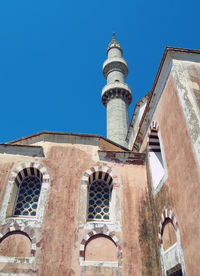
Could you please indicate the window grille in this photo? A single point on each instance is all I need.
(99, 200)
(28, 196)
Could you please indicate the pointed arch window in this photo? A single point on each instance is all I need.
(99, 196)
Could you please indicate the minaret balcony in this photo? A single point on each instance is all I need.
(116, 90)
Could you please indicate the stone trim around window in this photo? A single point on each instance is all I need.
(176, 249)
(11, 192)
(102, 169)
(114, 222)
(108, 234)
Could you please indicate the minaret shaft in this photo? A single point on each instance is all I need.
(116, 95)
(117, 120)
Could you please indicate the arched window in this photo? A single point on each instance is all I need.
(156, 158)
(28, 194)
(99, 196)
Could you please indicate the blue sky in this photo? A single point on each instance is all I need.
(51, 56)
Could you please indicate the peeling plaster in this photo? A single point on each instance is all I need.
(190, 111)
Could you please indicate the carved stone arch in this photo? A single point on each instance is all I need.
(100, 231)
(16, 228)
(175, 251)
(15, 174)
(103, 170)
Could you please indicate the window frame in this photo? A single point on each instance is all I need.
(109, 186)
(17, 198)
(114, 222)
(6, 213)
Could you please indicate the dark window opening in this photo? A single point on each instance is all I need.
(175, 271)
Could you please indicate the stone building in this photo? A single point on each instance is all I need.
(128, 204)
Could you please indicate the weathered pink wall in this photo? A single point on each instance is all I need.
(101, 249)
(58, 241)
(169, 236)
(181, 190)
(16, 245)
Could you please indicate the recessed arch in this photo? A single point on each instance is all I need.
(171, 254)
(168, 235)
(102, 248)
(9, 230)
(166, 216)
(92, 235)
(15, 244)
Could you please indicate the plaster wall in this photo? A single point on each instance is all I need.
(180, 191)
(58, 238)
(169, 236)
(135, 129)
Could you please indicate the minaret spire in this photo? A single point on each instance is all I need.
(116, 95)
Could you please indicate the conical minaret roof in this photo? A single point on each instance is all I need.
(114, 44)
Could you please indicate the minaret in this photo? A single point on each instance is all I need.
(116, 95)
